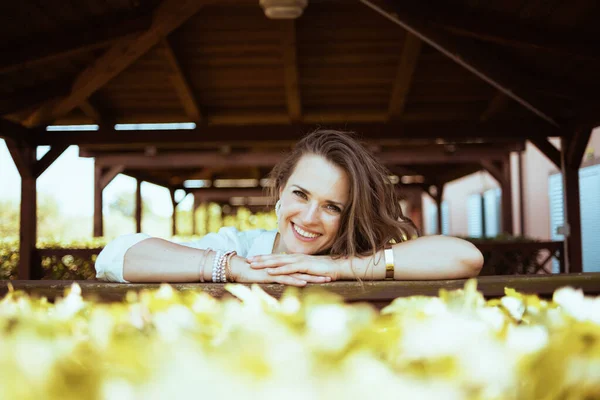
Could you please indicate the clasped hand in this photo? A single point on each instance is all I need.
(296, 269)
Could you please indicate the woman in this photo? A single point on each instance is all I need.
(338, 218)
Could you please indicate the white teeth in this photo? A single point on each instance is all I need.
(302, 232)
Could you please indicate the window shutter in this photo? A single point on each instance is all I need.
(589, 190)
(491, 199)
(431, 219)
(445, 218)
(474, 216)
(555, 194)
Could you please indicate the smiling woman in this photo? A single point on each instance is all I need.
(338, 218)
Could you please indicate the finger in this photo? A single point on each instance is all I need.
(275, 256)
(312, 278)
(274, 261)
(288, 269)
(290, 280)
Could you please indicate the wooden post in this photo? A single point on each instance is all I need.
(194, 209)
(571, 153)
(98, 222)
(501, 172)
(174, 217)
(438, 203)
(102, 177)
(521, 194)
(24, 157)
(138, 206)
(507, 199)
(29, 266)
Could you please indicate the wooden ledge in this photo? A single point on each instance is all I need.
(379, 293)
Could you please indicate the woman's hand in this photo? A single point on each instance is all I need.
(243, 273)
(293, 264)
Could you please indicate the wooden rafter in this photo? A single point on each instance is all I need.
(290, 68)
(109, 174)
(507, 32)
(577, 145)
(26, 98)
(547, 149)
(72, 41)
(91, 110)
(498, 103)
(475, 58)
(169, 15)
(494, 170)
(181, 84)
(404, 75)
(41, 165)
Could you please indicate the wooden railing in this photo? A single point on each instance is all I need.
(501, 258)
(510, 258)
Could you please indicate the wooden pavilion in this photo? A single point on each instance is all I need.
(439, 90)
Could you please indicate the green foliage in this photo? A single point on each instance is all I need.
(67, 266)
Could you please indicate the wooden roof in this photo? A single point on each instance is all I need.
(496, 70)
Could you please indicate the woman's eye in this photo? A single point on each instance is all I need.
(299, 194)
(333, 208)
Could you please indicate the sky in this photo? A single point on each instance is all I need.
(70, 180)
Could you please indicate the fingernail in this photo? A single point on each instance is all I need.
(250, 259)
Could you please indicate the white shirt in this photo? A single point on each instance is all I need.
(109, 264)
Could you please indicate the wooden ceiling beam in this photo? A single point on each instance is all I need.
(168, 16)
(498, 103)
(475, 58)
(513, 33)
(459, 172)
(414, 156)
(404, 75)
(72, 41)
(189, 160)
(286, 133)
(26, 98)
(181, 84)
(91, 110)
(290, 70)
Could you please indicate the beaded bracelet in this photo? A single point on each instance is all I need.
(216, 275)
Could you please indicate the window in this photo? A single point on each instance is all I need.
(475, 215)
(589, 195)
(445, 218)
(484, 213)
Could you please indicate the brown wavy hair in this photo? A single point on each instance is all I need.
(374, 217)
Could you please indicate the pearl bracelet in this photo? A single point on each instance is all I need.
(216, 274)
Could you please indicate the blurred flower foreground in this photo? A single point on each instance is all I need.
(165, 344)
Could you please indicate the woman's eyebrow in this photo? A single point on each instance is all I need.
(337, 203)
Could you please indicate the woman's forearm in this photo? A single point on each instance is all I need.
(429, 257)
(157, 260)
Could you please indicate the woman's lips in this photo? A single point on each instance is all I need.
(303, 238)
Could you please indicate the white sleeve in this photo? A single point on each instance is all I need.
(109, 264)
(228, 238)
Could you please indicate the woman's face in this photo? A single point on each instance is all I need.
(312, 203)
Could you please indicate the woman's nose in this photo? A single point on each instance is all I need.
(310, 213)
